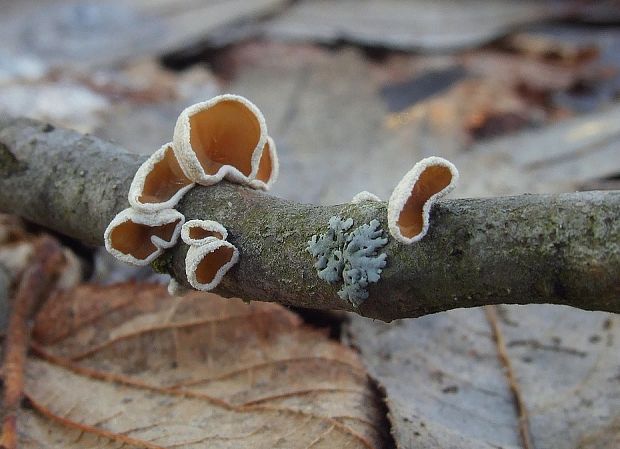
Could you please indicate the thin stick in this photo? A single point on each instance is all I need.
(522, 416)
(32, 287)
(558, 249)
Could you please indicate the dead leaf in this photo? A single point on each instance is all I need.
(415, 25)
(130, 365)
(17, 249)
(89, 34)
(456, 392)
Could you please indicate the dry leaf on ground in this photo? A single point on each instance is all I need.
(456, 392)
(130, 365)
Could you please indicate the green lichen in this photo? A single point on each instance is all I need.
(350, 257)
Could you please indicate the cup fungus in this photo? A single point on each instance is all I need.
(206, 265)
(268, 167)
(138, 238)
(364, 196)
(159, 183)
(410, 204)
(224, 137)
(199, 232)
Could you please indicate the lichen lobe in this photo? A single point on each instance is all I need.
(327, 249)
(362, 263)
(351, 257)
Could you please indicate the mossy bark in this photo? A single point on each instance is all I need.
(561, 249)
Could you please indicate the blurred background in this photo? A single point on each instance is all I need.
(523, 96)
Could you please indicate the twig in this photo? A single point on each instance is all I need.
(560, 249)
(32, 288)
(502, 353)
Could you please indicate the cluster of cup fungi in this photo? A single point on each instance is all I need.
(223, 138)
(226, 138)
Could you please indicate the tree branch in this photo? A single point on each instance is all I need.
(560, 249)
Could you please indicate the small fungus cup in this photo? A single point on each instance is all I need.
(199, 232)
(223, 137)
(206, 265)
(139, 238)
(410, 204)
(159, 183)
(364, 196)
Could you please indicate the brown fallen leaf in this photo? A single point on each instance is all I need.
(482, 381)
(129, 365)
(17, 251)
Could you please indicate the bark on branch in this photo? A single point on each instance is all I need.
(560, 249)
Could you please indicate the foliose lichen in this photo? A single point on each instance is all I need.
(362, 264)
(327, 249)
(351, 257)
